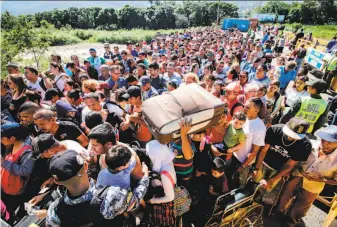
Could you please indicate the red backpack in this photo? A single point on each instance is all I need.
(12, 184)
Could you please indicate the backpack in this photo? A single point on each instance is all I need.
(12, 184)
(301, 53)
(182, 199)
(87, 213)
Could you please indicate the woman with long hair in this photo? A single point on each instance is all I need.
(296, 90)
(17, 85)
(195, 68)
(18, 88)
(69, 84)
(275, 98)
(243, 80)
(60, 76)
(6, 95)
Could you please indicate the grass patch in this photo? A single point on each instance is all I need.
(318, 31)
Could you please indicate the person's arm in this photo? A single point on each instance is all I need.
(292, 111)
(168, 189)
(251, 156)
(46, 81)
(185, 142)
(261, 155)
(137, 172)
(52, 220)
(137, 119)
(277, 106)
(23, 169)
(116, 195)
(321, 120)
(285, 169)
(237, 147)
(83, 140)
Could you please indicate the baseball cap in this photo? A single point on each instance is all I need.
(42, 143)
(328, 133)
(92, 49)
(106, 45)
(320, 85)
(296, 128)
(50, 93)
(12, 64)
(10, 129)
(133, 91)
(66, 166)
(62, 108)
(144, 80)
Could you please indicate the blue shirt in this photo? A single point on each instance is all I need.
(120, 179)
(286, 77)
(265, 80)
(175, 78)
(331, 44)
(134, 53)
(121, 82)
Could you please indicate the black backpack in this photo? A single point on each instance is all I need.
(86, 214)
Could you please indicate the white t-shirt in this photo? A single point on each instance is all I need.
(292, 95)
(36, 87)
(60, 79)
(75, 146)
(255, 132)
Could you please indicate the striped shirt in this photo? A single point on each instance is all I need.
(183, 167)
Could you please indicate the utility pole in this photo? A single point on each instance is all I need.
(217, 15)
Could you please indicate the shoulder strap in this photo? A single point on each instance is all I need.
(169, 177)
(41, 83)
(21, 150)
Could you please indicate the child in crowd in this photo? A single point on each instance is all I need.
(233, 140)
(218, 180)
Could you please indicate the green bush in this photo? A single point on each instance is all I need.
(59, 39)
(83, 34)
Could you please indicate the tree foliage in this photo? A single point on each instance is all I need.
(161, 15)
(307, 12)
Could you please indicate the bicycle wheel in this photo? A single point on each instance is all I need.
(251, 217)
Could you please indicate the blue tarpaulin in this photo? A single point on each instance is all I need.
(241, 24)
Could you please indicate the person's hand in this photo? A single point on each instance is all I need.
(185, 125)
(47, 183)
(125, 125)
(198, 174)
(40, 214)
(83, 125)
(215, 151)
(266, 183)
(230, 150)
(143, 203)
(36, 199)
(145, 169)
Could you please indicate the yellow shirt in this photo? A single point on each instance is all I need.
(317, 166)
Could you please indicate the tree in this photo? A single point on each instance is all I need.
(275, 7)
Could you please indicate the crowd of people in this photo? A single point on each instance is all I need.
(77, 129)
